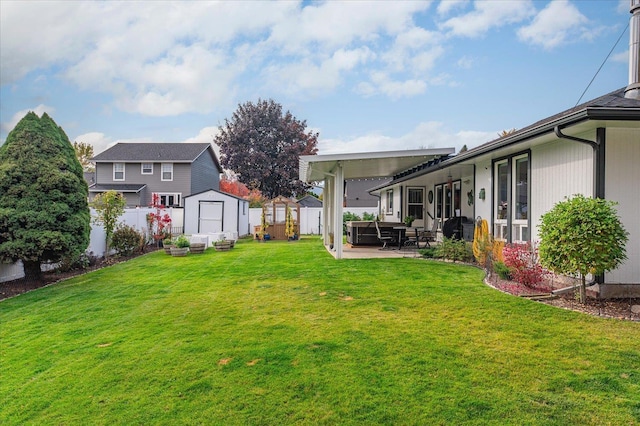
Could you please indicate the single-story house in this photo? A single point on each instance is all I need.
(592, 149)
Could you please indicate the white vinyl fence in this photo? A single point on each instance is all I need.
(310, 217)
(136, 218)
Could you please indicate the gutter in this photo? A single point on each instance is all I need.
(598, 157)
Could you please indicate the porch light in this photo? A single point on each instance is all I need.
(481, 194)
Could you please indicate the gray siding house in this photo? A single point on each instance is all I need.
(171, 170)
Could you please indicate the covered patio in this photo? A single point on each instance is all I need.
(334, 169)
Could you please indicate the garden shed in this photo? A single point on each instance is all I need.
(213, 211)
(275, 214)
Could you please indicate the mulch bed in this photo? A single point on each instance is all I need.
(611, 308)
(16, 287)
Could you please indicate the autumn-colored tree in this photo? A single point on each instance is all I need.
(231, 185)
(84, 152)
(262, 145)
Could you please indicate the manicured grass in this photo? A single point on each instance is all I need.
(281, 333)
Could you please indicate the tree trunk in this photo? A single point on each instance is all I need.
(583, 289)
(32, 270)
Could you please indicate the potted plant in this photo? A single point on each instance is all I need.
(167, 243)
(408, 221)
(222, 244)
(181, 247)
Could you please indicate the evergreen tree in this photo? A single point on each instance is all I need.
(44, 214)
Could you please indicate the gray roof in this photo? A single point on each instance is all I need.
(309, 201)
(154, 152)
(612, 106)
(119, 187)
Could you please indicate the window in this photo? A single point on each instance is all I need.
(167, 171)
(415, 201)
(390, 201)
(147, 168)
(169, 199)
(118, 171)
(511, 199)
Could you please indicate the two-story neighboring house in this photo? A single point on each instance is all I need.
(172, 170)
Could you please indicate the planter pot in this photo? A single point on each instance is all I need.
(197, 248)
(167, 249)
(179, 251)
(222, 246)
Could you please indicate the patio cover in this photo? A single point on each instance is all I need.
(333, 169)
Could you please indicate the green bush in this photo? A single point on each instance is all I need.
(368, 216)
(126, 240)
(429, 252)
(455, 250)
(182, 242)
(502, 270)
(346, 217)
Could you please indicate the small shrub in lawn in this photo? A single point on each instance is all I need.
(502, 270)
(81, 261)
(522, 261)
(126, 240)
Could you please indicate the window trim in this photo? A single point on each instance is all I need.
(162, 172)
(117, 171)
(389, 209)
(142, 169)
(509, 224)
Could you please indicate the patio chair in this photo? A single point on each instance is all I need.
(384, 237)
(428, 236)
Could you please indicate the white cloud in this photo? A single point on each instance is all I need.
(381, 83)
(622, 57)
(39, 110)
(430, 134)
(487, 15)
(465, 62)
(206, 135)
(99, 141)
(556, 24)
(446, 6)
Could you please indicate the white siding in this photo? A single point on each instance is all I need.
(558, 170)
(236, 217)
(622, 174)
(483, 181)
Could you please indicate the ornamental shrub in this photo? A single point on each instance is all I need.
(502, 270)
(522, 261)
(582, 236)
(455, 250)
(126, 240)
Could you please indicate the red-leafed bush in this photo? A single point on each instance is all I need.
(522, 261)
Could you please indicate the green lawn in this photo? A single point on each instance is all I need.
(281, 333)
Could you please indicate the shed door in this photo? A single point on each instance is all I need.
(210, 216)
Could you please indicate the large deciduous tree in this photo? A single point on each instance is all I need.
(44, 215)
(84, 152)
(262, 146)
(582, 236)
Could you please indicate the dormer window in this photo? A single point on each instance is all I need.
(147, 168)
(118, 171)
(167, 171)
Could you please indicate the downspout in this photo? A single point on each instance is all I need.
(598, 157)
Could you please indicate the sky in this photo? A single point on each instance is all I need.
(367, 75)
